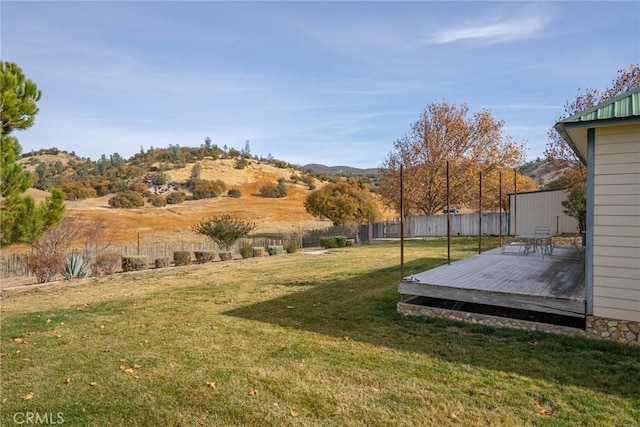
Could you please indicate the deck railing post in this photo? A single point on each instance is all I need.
(401, 222)
(480, 215)
(448, 219)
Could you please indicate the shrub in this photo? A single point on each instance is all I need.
(282, 188)
(269, 192)
(275, 250)
(226, 256)
(205, 189)
(328, 242)
(341, 241)
(291, 248)
(139, 187)
(234, 192)
(273, 192)
(181, 258)
(45, 267)
(106, 263)
(157, 201)
(176, 197)
(241, 163)
(159, 179)
(77, 191)
(204, 256)
(246, 252)
(162, 262)
(127, 200)
(258, 252)
(76, 267)
(134, 263)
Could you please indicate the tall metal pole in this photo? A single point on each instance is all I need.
(515, 202)
(500, 209)
(480, 215)
(401, 222)
(448, 219)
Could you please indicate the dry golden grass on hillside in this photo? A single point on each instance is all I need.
(174, 221)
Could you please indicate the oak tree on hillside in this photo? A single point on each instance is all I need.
(445, 132)
(558, 152)
(346, 202)
(20, 219)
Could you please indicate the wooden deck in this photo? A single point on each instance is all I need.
(551, 285)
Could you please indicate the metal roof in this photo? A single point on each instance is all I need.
(623, 106)
(622, 109)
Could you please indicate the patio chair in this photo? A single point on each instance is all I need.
(542, 240)
(570, 247)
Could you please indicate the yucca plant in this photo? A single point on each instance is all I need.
(76, 267)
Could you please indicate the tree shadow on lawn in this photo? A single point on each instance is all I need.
(363, 308)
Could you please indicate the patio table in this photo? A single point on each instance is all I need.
(533, 241)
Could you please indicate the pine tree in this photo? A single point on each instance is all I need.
(20, 219)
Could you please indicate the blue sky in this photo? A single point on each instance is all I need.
(307, 82)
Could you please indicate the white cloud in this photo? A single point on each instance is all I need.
(503, 31)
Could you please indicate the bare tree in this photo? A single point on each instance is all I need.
(558, 152)
(58, 240)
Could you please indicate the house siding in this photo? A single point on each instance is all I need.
(616, 223)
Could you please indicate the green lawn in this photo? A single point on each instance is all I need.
(294, 340)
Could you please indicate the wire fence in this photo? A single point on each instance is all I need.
(153, 247)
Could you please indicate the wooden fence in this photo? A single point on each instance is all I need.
(436, 226)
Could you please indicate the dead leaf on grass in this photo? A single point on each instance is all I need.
(28, 396)
(93, 384)
(543, 410)
(67, 380)
(19, 340)
(294, 413)
(253, 392)
(211, 384)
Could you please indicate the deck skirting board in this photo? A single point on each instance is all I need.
(564, 307)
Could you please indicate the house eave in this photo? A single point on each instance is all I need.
(575, 133)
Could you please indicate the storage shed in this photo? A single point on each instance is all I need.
(606, 137)
(539, 208)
